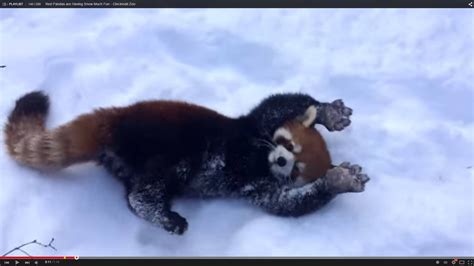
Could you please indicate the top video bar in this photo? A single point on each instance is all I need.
(239, 4)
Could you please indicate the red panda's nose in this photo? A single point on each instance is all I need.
(281, 161)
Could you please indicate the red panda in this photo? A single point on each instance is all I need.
(84, 138)
(162, 149)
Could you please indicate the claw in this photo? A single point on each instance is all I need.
(355, 169)
(342, 124)
(338, 127)
(345, 122)
(363, 178)
(345, 164)
(347, 111)
(338, 103)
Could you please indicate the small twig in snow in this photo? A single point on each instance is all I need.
(19, 248)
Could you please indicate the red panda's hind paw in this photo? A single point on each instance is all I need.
(175, 223)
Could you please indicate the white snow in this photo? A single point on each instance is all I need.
(406, 73)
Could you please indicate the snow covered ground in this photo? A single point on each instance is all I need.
(406, 73)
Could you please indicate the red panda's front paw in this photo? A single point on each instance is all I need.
(175, 223)
(335, 116)
(346, 178)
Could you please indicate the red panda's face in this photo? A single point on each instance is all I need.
(300, 155)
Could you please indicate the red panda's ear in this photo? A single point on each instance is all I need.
(309, 117)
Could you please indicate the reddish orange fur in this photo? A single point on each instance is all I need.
(83, 138)
(314, 153)
(172, 111)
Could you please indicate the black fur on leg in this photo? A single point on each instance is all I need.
(115, 166)
(287, 201)
(150, 200)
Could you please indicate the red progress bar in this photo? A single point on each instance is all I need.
(39, 258)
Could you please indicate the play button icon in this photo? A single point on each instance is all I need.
(16, 262)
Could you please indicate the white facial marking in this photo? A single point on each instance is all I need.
(280, 151)
(297, 148)
(301, 166)
(282, 132)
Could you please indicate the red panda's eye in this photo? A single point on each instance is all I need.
(290, 147)
(280, 141)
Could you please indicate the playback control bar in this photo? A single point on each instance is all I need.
(211, 261)
(35, 260)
